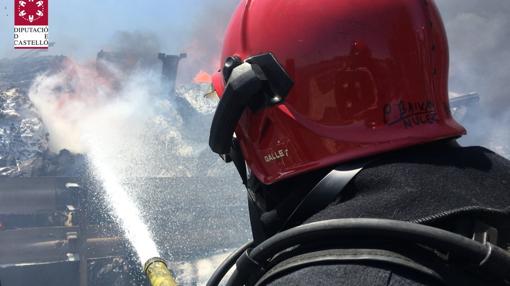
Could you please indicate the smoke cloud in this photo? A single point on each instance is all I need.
(479, 38)
(479, 35)
(135, 43)
(204, 44)
(130, 119)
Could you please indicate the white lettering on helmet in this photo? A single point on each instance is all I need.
(277, 155)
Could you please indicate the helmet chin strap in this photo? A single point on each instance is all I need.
(236, 155)
(325, 192)
(294, 210)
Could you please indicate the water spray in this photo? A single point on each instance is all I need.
(136, 231)
(125, 133)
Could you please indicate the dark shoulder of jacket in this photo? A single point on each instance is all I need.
(433, 183)
(423, 182)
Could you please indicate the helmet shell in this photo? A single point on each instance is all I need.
(369, 77)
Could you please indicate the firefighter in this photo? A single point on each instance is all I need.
(336, 114)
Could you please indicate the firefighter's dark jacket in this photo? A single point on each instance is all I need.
(447, 186)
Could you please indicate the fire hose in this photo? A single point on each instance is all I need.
(158, 273)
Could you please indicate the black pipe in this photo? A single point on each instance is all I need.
(486, 257)
(227, 264)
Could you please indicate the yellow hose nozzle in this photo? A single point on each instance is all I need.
(158, 273)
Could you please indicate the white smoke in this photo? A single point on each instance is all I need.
(127, 126)
(205, 40)
(479, 38)
(198, 272)
(133, 121)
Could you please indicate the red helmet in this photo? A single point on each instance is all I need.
(335, 81)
